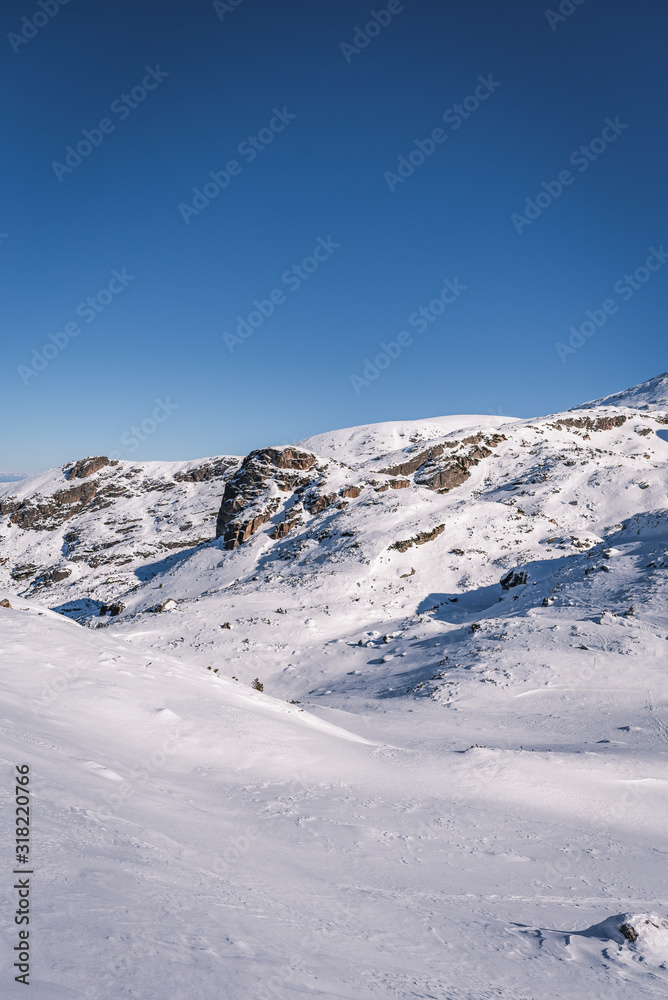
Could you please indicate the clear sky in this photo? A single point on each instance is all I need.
(357, 171)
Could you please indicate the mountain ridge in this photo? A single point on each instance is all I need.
(97, 530)
(652, 394)
(408, 709)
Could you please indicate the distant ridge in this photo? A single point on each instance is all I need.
(650, 395)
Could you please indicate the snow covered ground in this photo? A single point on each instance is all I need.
(453, 785)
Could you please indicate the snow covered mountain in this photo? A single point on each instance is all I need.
(452, 783)
(650, 395)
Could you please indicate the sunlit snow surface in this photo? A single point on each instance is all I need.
(444, 812)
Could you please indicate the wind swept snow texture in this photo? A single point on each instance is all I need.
(453, 783)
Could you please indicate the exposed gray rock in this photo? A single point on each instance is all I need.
(421, 539)
(513, 579)
(203, 473)
(87, 466)
(247, 503)
(112, 609)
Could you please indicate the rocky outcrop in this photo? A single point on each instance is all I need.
(586, 423)
(421, 539)
(248, 502)
(514, 579)
(451, 475)
(117, 517)
(240, 531)
(413, 464)
(287, 458)
(315, 503)
(292, 518)
(281, 530)
(454, 471)
(113, 610)
(87, 466)
(56, 575)
(48, 513)
(203, 473)
(24, 571)
(78, 494)
(41, 512)
(251, 494)
(436, 474)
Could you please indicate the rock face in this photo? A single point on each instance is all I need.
(289, 458)
(112, 609)
(24, 571)
(281, 530)
(513, 579)
(586, 423)
(59, 574)
(420, 539)
(251, 496)
(413, 464)
(87, 466)
(205, 473)
(445, 466)
(315, 503)
(48, 513)
(453, 470)
(56, 575)
(119, 517)
(451, 475)
(78, 494)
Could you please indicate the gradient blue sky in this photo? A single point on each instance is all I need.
(492, 350)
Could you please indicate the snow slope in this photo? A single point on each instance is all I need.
(453, 785)
(652, 395)
(357, 445)
(187, 828)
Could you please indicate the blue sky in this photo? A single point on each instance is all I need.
(306, 123)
